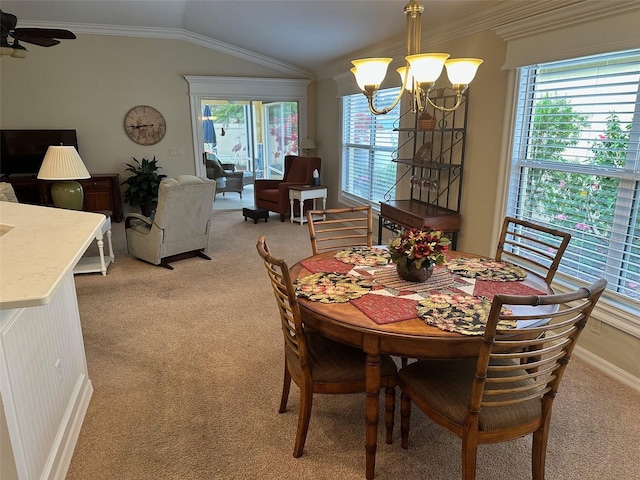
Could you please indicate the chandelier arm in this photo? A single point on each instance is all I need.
(386, 110)
(444, 109)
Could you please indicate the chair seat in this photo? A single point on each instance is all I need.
(334, 362)
(445, 385)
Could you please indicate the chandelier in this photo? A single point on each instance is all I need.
(420, 73)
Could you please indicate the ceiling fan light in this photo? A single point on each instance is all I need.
(370, 71)
(461, 71)
(427, 67)
(409, 85)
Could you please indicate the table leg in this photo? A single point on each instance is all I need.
(372, 387)
(291, 203)
(301, 209)
(103, 267)
(113, 257)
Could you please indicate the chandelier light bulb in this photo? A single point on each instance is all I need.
(427, 67)
(461, 71)
(370, 71)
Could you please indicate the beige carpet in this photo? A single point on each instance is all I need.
(187, 370)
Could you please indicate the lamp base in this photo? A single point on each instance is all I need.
(67, 195)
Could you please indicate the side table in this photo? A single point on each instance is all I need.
(306, 192)
(98, 264)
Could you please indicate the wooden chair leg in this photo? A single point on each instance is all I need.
(469, 452)
(539, 451)
(405, 417)
(306, 401)
(390, 406)
(286, 385)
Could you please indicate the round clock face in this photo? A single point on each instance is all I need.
(145, 125)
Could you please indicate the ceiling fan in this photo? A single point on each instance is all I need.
(44, 37)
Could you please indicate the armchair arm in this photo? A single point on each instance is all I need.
(136, 216)
(265, 184)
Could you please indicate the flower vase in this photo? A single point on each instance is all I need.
(415, 274)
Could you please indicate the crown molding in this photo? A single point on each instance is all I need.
(573, 14)
(179, 34)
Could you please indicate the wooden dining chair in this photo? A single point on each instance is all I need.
(314, 362)
(536, 248)
(495, 397)
(337, 228)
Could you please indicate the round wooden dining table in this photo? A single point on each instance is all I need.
(411, 338)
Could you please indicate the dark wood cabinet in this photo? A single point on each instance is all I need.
(101, 192)
(435, 168)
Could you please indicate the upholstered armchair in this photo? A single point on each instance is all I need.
(180, 226)
(225, 174)
(274, 194)
(7, 194)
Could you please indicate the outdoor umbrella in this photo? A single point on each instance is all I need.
(208, 130)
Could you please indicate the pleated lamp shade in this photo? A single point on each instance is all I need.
(63, 163)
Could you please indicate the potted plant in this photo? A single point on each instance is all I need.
(416, 251)
(143, 184)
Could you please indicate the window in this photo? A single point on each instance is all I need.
(576, 163)
(368, 142)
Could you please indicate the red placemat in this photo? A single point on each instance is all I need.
(383, 309)
(488, 288)
(327, 265)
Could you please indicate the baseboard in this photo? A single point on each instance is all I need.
(61, 459)
(608, 368)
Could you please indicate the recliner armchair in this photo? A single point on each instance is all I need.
(274, 194)
(180, 226)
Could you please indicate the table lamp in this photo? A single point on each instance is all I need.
(306, 145)
(63, 163)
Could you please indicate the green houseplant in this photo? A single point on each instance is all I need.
(143, 184)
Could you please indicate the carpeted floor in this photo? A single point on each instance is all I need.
(187, 370)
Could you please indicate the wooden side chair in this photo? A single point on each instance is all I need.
(315, 363)
(340, 228)
(536, 248)
(508, 391)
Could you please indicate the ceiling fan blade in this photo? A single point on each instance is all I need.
(43, 42)
(44, 33)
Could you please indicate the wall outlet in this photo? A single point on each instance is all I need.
(176, 152)
(594, 326)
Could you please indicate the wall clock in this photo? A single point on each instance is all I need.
(145, 125)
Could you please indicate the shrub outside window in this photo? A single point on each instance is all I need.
(576, 164)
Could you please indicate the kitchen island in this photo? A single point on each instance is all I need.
(44, 382)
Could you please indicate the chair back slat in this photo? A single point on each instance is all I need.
(516, 367)
(534, 247)
(286, 300)
(338, 228)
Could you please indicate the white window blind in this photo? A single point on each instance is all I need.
(576, 163)
(368, 142)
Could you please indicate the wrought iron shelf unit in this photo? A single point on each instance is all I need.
(435, 172)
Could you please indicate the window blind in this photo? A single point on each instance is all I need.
(368, 142)
(576, 163)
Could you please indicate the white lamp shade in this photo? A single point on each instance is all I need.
(307, 144)
(427, 67)
(462, 70)
(409, 85)
(62, 163)
(370, 71)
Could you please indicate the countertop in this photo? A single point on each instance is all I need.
(38, 247)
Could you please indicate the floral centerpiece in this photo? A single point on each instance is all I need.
(416, 251)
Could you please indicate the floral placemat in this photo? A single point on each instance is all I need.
(326, 265)
(364, 256)
(486, 269)
(384, 309)
(332, 287)
(460, 313)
